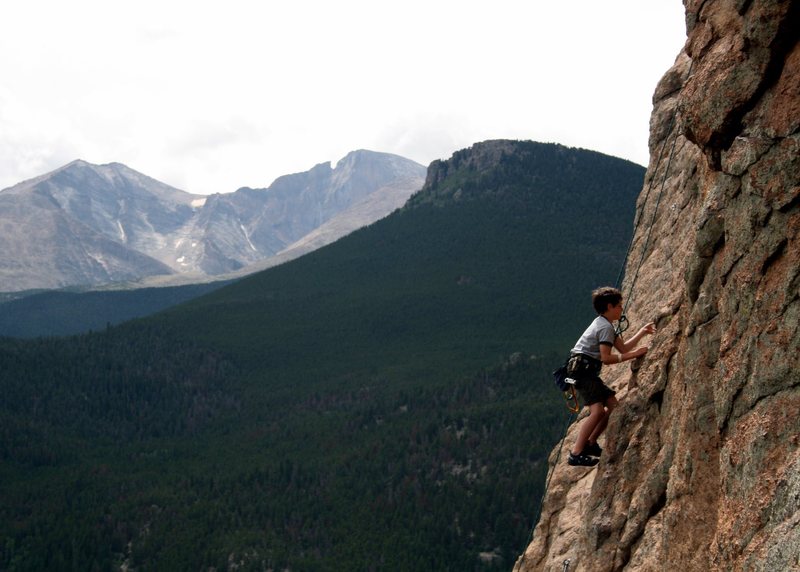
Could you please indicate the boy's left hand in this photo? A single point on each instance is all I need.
(648, 328)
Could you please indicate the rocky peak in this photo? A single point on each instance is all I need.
(549, 174)
(479, 157)
(701, 468)
(90, 224)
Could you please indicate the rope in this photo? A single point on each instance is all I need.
(644, 203)
(547, 483)
(624, 320)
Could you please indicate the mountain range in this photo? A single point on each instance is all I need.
(88, 225)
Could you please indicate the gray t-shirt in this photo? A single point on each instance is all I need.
(600, 331)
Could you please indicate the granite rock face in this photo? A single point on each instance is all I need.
(701, 469)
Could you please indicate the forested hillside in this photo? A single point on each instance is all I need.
(64, 312)
(383, 403)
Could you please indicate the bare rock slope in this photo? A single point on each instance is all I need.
(701, 469)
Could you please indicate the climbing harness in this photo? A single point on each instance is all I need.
(566, 385)
(623, 321)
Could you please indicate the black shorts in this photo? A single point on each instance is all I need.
(585, 370)
(593, 390)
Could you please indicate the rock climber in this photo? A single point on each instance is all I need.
(591, 352)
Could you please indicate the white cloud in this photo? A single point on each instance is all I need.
(209, 96)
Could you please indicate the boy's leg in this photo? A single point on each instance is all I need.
(610, 404)
(597, 413)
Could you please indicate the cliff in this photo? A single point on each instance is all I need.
(701, 469)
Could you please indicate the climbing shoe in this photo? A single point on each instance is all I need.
(582, 460)
(593, 450)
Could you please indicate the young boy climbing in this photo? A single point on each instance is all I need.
(591, 352)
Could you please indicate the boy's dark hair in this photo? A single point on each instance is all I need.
(604, 296)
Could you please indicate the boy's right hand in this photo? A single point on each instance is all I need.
(639, 352)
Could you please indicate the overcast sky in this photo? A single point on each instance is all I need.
(212, 96)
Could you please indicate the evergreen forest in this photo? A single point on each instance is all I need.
(34, 314)
(384, 403)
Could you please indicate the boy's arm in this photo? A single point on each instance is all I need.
(623, 346)
(625, 351)
(606, 356)
(610, 358)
